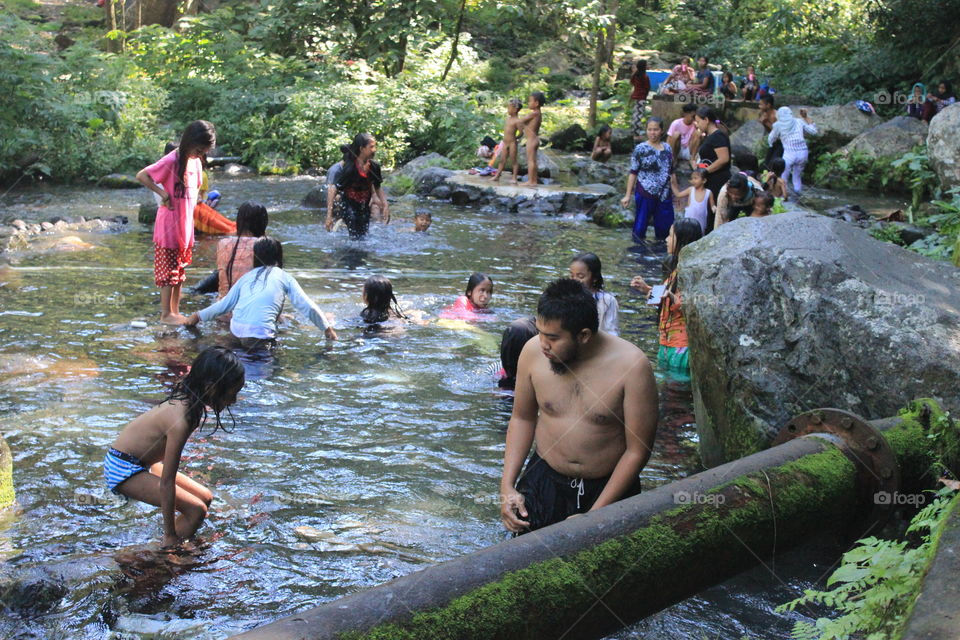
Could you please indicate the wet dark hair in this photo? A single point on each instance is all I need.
(170, 146)
(686, 231)
(352, 151)
(252, 220)
(603, 129)
(738, 181)
(688, 107)
(514, 338)
(747, 163)
(198, 135)
(214, 373)
(539, 97)
(767, 98)
(766, 198)
(709, 113)
(475, 280)
(592, 262)
(778, 166)
(267, 252)
(569, 302)
(378, 292)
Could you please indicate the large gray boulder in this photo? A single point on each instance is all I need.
(592, 172)
(798, 311)
(547, 167)
(891, 139)
(943, 146)
(419, 164)
(430, 178)
(750, 136)
(838, 124)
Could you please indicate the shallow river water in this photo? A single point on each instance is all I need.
(391, 445)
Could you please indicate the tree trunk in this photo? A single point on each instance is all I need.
(456, 41)
(611, 39)
(595, 85)
(114, 45)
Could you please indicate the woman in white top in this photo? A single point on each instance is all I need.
(256, 299)
(586, 269)
(789, 130)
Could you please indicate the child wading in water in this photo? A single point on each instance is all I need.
(144, 461)
(257, 299)
(762, 205)
(382, 304)
(176, 179)
(473, 304)
(531, 130)
(508, 149)
(700, 200)
(585, 268)
(235, 255)
(673, 354)
(773, 183)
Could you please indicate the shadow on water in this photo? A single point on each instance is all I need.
(388, 444)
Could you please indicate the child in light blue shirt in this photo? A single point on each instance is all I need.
(256, 299)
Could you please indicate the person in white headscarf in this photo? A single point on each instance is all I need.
(790, 130)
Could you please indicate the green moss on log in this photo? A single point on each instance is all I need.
(7, 495)
(547, 598)
(926, 441)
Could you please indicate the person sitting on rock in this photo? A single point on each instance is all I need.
(937, 100)
(602, 146)
(674, 83)
(750, 84)
(703, 86)
(728, 88)
(683, 137)
(915, 103)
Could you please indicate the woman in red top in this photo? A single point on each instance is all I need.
(641, 87)
(359, 184)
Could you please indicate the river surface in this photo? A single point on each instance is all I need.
(391, 446)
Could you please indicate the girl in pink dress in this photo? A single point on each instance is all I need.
(176, 178)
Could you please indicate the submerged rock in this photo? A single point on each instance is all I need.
(316, 197)
(943, 148)
(798, 311)
(119, 181)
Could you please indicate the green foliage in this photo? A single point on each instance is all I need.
(877, 581)
(402, 185)
(910, 173)
(887, 233)
(79, 115)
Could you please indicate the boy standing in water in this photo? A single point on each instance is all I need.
(509, 148)
(531, 129)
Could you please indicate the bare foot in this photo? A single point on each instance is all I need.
(173, 318)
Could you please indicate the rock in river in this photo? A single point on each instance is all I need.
(798, 311)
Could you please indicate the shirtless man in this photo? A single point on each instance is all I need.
(589, 400)
(531, 130)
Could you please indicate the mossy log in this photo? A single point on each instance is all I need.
(587, 576)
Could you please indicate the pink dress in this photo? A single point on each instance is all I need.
(464, 309)
(242, 261)
(174, 227)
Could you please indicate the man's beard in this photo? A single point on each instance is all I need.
(560, 367)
